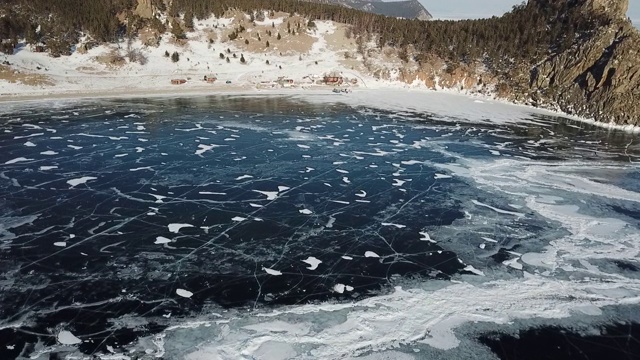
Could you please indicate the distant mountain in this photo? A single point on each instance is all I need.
(410, 9)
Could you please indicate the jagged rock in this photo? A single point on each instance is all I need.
(598, 78)
(614, 8)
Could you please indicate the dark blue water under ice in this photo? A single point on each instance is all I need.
(121, 208)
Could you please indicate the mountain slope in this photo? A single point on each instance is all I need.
(410, 9)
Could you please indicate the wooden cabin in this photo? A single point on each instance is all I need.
(178, 81)
(332, 80)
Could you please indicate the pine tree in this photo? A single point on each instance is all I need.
(176, 30)
(188, 20)
(242, 60)
(279, 37)
(175, 57)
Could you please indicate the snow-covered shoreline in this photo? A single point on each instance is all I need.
(389, 98)
(303, 59)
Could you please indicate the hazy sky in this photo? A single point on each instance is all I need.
(460, 9)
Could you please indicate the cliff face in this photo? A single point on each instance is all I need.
(599, 77)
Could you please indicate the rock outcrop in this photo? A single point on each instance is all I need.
(598, 77)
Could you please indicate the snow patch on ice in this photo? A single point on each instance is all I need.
(175, 227)
(82, 180)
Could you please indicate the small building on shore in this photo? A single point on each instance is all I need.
(210, 79)
(333, 78)
(284, 82)
(178, 81)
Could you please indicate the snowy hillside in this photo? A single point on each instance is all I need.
(304, 57)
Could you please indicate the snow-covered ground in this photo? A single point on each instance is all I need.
(85, 75)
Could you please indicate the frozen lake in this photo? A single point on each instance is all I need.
(284, 227)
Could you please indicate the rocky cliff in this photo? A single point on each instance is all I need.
(598, 77)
